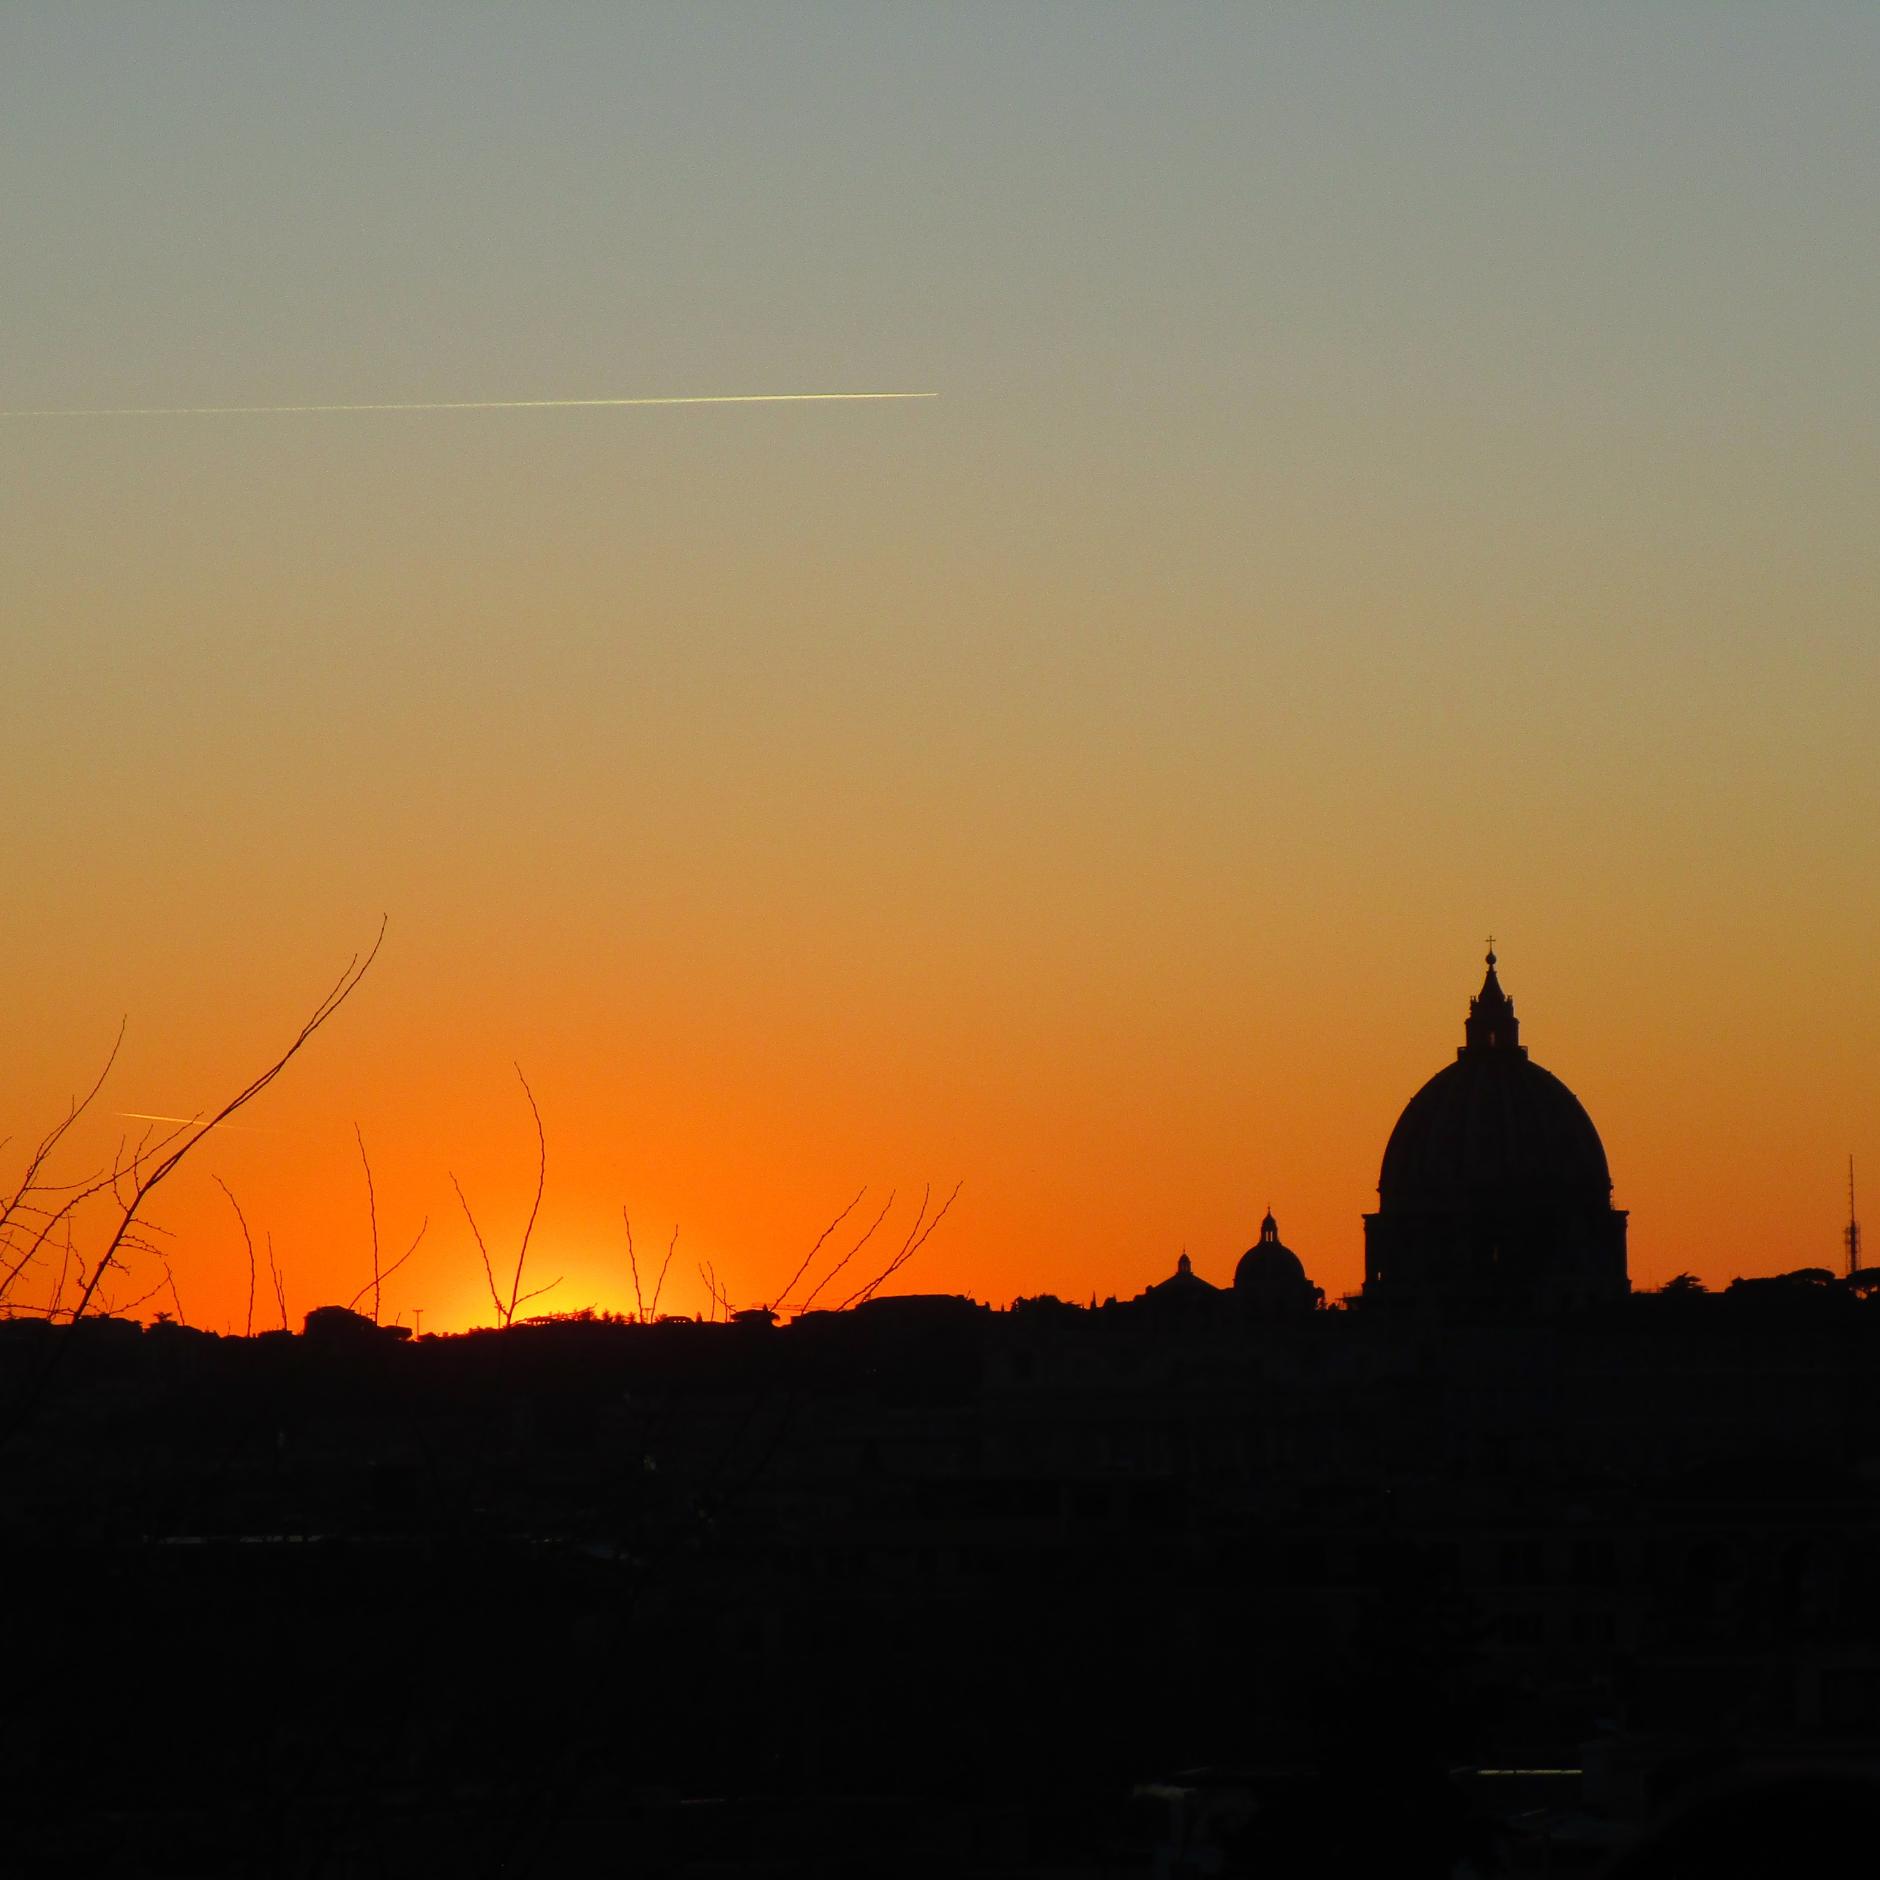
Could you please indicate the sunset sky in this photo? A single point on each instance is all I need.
(1398, 474)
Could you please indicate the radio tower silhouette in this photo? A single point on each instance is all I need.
(1850, 1235)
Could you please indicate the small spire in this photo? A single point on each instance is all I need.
(1850, 1237)
(1269, 1228)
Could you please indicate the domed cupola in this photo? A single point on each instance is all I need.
(1494, 1182)
(1184, 1290)
(1271, 1277)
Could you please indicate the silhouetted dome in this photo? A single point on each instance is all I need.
(1271, 1276)
(1182, 1287)
(1268, 1263)
(1493, 1125)
(1494, 1183)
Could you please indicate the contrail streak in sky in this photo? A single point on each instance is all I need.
(467, 404)
(189, 1122)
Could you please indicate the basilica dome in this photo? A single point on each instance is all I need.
(1492, 1123)
(1494, 1180)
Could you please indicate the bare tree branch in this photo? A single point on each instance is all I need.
(248, 1241)
(659, 1285)
(29, 1181)
(378, 1278)
(709, 1274)
(926, 1194)
(489, 1273)
(506, 1311)
(820, 1238)
(65, 1266)
(145, 1176)
(372, 1216)
(77, 1194)
(541, 1181)
(280, 1284)
(639, 1303)
(417, 1241)
(850, 1255)
(135, 1178)
(540, 1290)
(111, 1307)
(916, 1239)
(182, 1317)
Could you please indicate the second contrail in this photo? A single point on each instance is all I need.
(190, 1122)
(466, 404)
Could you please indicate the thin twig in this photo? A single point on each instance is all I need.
(535, 1207)
(709, 1274)
(76, 1195)
(926, 1194)
(847, 1257)
(907, 1253)
(65, 1266)
(29, 1180)
(489, 1272)
(280, 1283)
(659, 1285)
(916, 1239)
(639, 1303)
(820, 1238)
(352, 1305)
(505, 1313)
(372, 1216)
(417, 1240)
(248, 1241)
(540, 1290)
(111, 1307)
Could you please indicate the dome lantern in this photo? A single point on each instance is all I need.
(1491, 1024)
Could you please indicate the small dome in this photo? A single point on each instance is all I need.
(1182, 1287)
(1270, 1273)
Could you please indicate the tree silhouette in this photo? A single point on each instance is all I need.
(506, 1309)
(134, 1177)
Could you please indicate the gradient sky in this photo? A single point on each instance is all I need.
(1399, 473)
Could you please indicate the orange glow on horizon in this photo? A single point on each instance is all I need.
(1099, 1213)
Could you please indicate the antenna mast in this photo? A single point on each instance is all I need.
(1850, 1236)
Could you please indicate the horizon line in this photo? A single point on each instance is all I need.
(462, 404)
